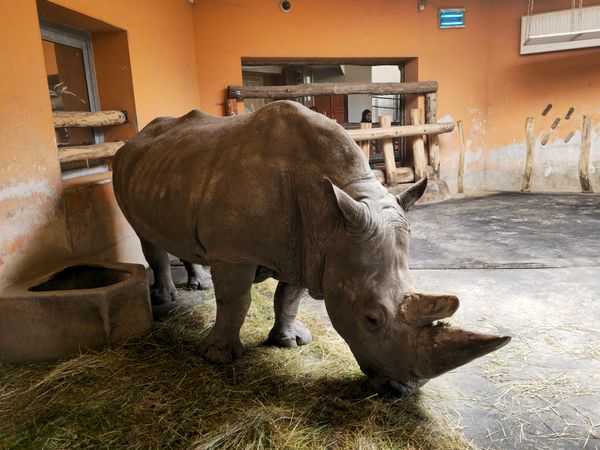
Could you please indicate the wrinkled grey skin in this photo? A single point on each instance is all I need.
(285, 192)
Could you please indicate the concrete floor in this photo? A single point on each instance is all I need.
(527, 265)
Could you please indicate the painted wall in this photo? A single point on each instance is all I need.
(483, 80)
(522, 86)
(43, 221)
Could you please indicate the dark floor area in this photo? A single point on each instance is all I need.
(507, 230)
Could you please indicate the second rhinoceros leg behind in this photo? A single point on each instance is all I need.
(163, 290)
(287, 330)
(198, 276)
(232, 291)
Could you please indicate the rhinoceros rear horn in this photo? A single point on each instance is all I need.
(443, 348)
(419, 309)
(356, 214)
(408, 198)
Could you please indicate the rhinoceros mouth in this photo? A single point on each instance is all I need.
(387, 386)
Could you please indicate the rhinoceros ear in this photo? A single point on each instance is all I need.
(412, 194)
(356, 214)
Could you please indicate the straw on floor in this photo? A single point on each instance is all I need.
(156, 392)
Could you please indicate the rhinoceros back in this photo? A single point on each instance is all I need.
(234, 189)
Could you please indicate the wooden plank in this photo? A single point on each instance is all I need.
(461, 158)
(388, 153)
(81, 153)
(307, 90)
(401, 131)
(231, 107)
(81, 119)
(584, 157)
(365, 146)
(419, 157)
(530, 143)
(433, 140)
(403, 175)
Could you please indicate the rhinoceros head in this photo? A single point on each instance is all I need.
(374, 305)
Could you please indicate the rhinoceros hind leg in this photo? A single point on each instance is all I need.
(287, 330)
(198, 277)
(232, 291)
(163, 290)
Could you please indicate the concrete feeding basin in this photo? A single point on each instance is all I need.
(80, 305)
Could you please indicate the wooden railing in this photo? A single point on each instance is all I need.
(392, 174)
(83, 119)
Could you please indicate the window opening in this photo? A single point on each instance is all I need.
(72, 87)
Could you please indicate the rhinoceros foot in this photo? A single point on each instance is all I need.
(289, 336)
(216, 351)
(161, 295)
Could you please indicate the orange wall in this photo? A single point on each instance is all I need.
(42, 222)
(483, 80)
(522, 86)
(32, 218)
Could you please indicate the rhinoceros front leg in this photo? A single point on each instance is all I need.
(287, 330)
(163, 290)
(198, 276)
(232, 291)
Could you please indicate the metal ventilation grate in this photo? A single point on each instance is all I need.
(560, 30)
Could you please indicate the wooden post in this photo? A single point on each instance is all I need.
(388, 153)
(366, 145)
(461, 158)
(418, 147)
(434, 140)
(231, 108)
(530, 143)
(83, 152)
(584, 158)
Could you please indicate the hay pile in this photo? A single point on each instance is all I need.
(156, 392)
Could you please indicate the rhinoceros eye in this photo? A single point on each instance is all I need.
(372, 319)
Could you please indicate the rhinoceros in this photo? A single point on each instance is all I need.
(285, 192)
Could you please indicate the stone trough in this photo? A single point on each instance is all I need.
(81, 305)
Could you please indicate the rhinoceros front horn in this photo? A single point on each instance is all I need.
(408, 198)
(442, 348)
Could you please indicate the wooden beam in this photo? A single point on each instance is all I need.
(307, 90)
(231, 107)
(401, 131)
(81, 153)
(530, 143)
(365, 145)
(80, 119)
(419, 157)
(584, 157)
(403, 175)
(433, 140)
(388, 154)
(461, 158)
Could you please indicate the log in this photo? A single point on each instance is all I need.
(401, 131)
(388, 153)
(403, 175)
(81, 119)
(530, 143)
(419, 157)
(365, 146)
(584, 157)
(307, 90)
(81, 153)
(231, 107)
(433, 140)
(461, 158)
